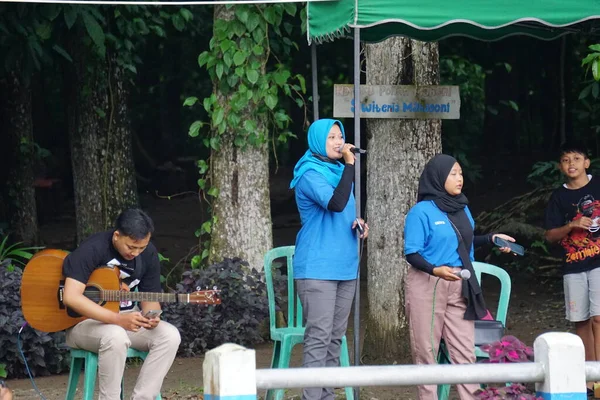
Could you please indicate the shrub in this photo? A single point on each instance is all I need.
(243, 307)
(506, 350)
(41, 349)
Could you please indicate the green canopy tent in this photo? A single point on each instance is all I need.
(432, 20)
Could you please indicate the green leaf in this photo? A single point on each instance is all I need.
(70, 14)
(207, 226)
(196, 261)
(242, 14)
(202, 166)
(227, 59)
(219, 70)
(270, 16)
(44, 31)
(252, 75)
(239, 58)
(253, 21)
(302, 82)
(178, 22)
(94, 30)
(595, 47)
(190, 101)
(195, 128)
(589, 58)
(218, 115)
(258, 50)
(596, 69)
(208, 102)
(214, 144)
(205, 253)
(271, 101)
(290, 8)
(226, 45)
(513, 105)
(203, 58)
(585, 92)
(62, 52)
(213, 191)
(239, 141)
(186, 14)
(159, 31)
(238, 28)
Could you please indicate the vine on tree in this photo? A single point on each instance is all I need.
(243, 64)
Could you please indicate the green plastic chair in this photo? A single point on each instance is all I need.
(287, 337)
(89, 359)
(502, 311)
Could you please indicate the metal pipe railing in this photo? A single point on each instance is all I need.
(399, 375)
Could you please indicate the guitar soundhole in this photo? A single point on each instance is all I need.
(94, 294)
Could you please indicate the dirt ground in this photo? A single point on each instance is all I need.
(536, 304)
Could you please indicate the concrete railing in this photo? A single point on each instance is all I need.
(559, 371)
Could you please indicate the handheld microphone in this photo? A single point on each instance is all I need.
(463, 274)
(356, 150)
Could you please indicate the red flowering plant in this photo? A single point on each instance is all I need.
(507, 350)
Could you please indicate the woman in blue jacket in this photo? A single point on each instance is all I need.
(326, 254)
(438, 244)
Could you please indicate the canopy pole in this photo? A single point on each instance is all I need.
(357, 197)
(315, 81)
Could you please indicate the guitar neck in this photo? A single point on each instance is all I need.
(118, 295)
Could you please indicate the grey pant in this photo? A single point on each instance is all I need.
(111, 343)
(326, 307)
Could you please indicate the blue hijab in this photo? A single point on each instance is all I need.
(317, 141)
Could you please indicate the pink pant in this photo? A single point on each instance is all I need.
(448, 323)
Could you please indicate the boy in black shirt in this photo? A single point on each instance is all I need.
(572, 218)
(110, 334)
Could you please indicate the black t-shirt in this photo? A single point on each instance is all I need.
(97, 251)
(581, 247)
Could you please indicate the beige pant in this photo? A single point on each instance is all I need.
(111, 343)
(448, 323)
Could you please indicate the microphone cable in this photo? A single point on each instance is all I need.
(20, 347)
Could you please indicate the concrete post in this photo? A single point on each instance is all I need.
(229, 373)
(563, 358)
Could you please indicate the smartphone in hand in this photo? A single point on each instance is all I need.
(153, 314)
(359, 227)
(515, 248)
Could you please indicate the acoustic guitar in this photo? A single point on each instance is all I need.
(42, 289)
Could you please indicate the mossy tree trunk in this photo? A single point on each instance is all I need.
(243, 226)
(398, 151)
(100, 141)
(19, 150)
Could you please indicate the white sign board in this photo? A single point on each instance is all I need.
(401, 101)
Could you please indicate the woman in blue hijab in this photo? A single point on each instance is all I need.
(326, 256)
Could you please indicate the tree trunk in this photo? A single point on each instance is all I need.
(243, 226)
(398, 152)
(20, 151)
(100, 136)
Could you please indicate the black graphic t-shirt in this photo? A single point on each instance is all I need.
(581, 247)
(143, 272)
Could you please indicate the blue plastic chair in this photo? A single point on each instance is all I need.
(89, 360)
(502, 311)
(284, 339)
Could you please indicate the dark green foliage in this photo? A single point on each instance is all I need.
(42, 350)
(546, 173)
(243, 307)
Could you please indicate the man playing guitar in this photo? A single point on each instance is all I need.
(108, 333)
